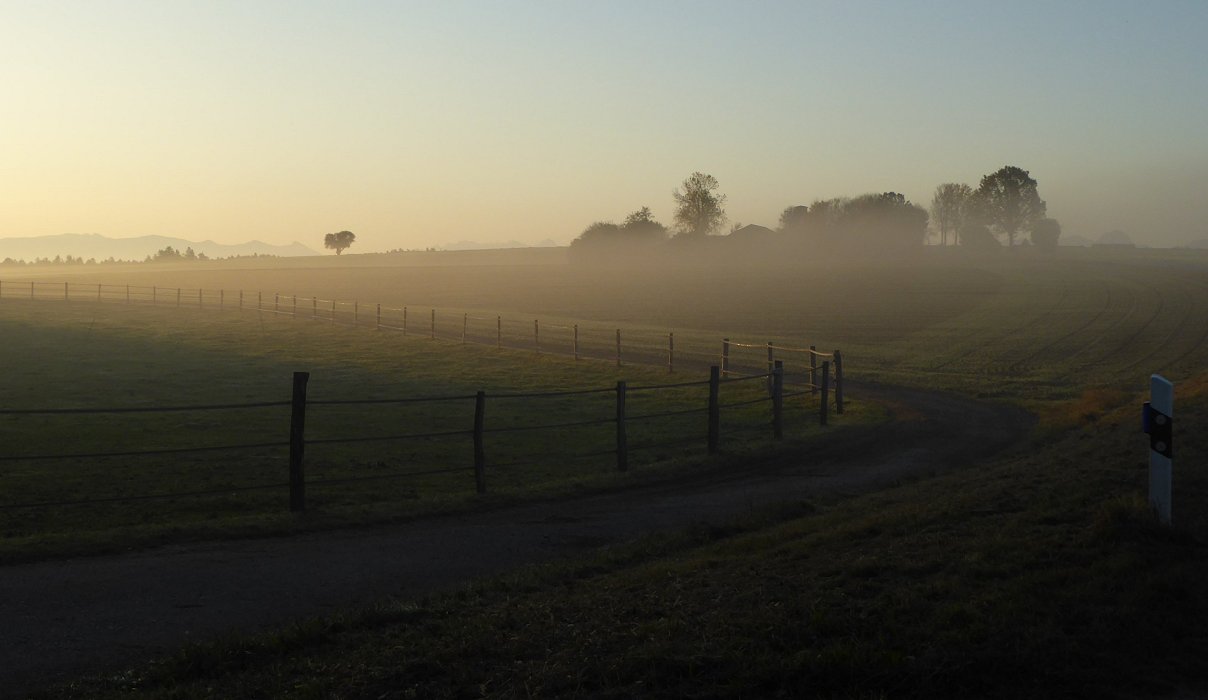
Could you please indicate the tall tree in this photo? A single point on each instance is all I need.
(339, 240)
(1007, 200)
(948, 208)
(699, 212)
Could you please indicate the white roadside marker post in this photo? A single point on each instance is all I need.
(1157, 421)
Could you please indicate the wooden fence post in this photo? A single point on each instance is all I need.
(771, 366)
(465, 322)
(480, 454)
(295, 307)
(825, 408)
(241, 300)
(432, 335)
(260, 302)
(31, 290)
(778, 400)
(714, 408)
(356, 312)
(127, 294)
(813, 370)
(725, 356)
(200, 303)
(178, 296)
(838, 383)
(576, 342)
(297, 444)
(314, 307)
(276, 302)
(670, 353)
(333, 310)
(537, 336)
(404, 319)
(221, 299)
(379, 319)
(622, 438)
(65, 292)
(98, 293)
(498, 332)
(618, 347)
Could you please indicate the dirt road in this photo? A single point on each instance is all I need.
(63, 618)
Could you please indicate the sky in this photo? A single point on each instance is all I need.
(417, 125)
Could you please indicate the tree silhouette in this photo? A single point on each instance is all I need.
(948, 209)
(339, 241)
(698, 211)
(1007, 200)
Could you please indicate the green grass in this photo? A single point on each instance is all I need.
(1040, 575)
(81, 355)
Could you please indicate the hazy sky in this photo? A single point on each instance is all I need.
(419, 124)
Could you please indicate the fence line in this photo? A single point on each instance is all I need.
(478, 430)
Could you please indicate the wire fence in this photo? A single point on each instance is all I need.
(472, 445)
(580, 341)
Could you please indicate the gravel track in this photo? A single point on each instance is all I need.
(65, 618)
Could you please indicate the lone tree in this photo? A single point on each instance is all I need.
(948, 209)
(1007, 200)
(339, 241)
(699, 212)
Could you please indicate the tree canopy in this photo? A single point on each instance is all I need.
(339, 240)
(698, 211)
(1007, 201)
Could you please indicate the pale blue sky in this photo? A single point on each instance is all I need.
(420, 124)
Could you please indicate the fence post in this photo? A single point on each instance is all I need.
(838, 383)
(65, 294)
(714, 408)
(127, 294)
(221, 299)
(622, 438)
(356, 312)
(379, 320)
(618, 347)
(333, 310)
(98, 293)
(725, 356)
(297, 444)
(276, 302)
(825, 408)
(498, 332)
(813, 370)
(670, 353)
(480, 454)
(314, 307)
(465, 322)
(771, 366)
(432, 335)
(295, 307)
(404, 318)
(31, 290)
(537, 336)
(778, 400)
(576, 342)
(178, 296)
(241, 300)
(200, 303)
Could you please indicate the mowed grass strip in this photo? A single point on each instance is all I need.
(79, 355)
(1041, 575)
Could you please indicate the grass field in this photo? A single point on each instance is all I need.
(78, 356)
(1040, 574)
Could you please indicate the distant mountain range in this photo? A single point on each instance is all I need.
(93, 245)
(475, 245)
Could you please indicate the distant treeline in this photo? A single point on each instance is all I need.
(167, 254)
(1003, 208)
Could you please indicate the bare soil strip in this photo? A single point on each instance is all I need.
(65, 618)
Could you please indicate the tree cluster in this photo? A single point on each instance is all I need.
(1005, 205)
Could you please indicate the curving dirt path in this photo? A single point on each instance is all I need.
(64, 618)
